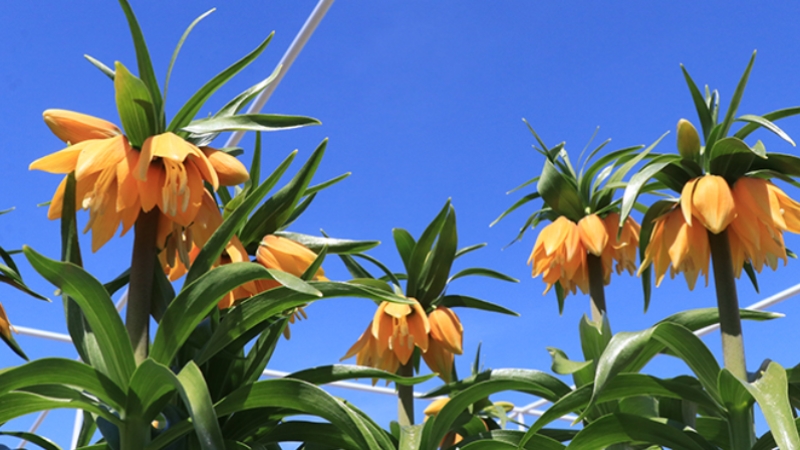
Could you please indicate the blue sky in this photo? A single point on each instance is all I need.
(422, 101)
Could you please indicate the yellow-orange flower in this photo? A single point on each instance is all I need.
(401, 327)
(755, 213)
(674, 242)
(446, 341)
(559, 254)
(115, 181)
(368, 354)
(286, 255)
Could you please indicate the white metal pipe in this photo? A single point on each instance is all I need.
(286, 62)
(36, 424)
(76, 429)
(42, 334)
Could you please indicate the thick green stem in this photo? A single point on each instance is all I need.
(728, 304)
(140, 291)
(134, 435)
(740, 422)
(405, 397)
(597, 293)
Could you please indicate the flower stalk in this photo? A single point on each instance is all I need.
(742, 431)
(597, 294)
(137, 316)
(728, 304)
(405, 397)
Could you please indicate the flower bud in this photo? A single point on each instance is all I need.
(229, 170)
(688, 140)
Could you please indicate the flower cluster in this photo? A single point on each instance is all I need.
(116, 182)
(390, 339)
(755, 213)
(560, 252)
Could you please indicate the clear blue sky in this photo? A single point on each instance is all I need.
(422, 101)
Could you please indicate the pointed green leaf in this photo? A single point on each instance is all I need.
(191, 107)
(102, 317)
(335, 246)
(180, 44)
(341, 372)
(454, 301)
(145, 66)
(703, 113)
(248, 122)
(766, 123)
(737, 98)
(559, 194)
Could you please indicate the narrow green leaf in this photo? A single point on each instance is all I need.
(303, 398)
(63, 372)
(216, 244)
(335, 246)
(191, 107)
(421, 253)
(737, 98)
(194, 393)
(436, 269)
(341, 372)
(274, 302)
(178, 48)
(530, 197)
(248, 122)
(193, 304)
(326, 184)
(766, 123)
(42, 442)
(638, 180)
(620, 428)
(405, 245)
(480, 271)
(470, 248)
(270, 216)
(562, 364)
(146, 71)
(17, 404)
(703, 113)
(454, 301)
(773, 116)
(105, 322)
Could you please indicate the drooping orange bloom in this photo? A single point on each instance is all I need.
(559, 254)
(115, 181)
(755, 213)
(683, 246)
(286, 255)
(368, 354)
(401, 327)
(446, 341)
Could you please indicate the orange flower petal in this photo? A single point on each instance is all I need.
(447, 329)
(63, 161)
(75, 127)
(713, 204)
(593, 234)
(230, 170)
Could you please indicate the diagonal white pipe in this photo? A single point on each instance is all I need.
(285, 63)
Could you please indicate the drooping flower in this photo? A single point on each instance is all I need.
(559, 254)
(368, 354)
(755, 213)
(286, 255)
(674, 242)
(446, 341)
(115, 181)
(401, 327)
